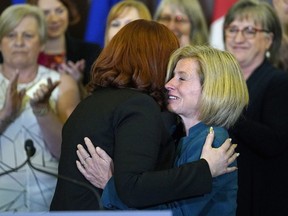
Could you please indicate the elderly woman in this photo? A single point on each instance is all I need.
(35, 102)
(185, 18)
(253, 35)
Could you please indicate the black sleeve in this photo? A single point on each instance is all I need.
(139, 134)
(266, 122)
(78, 49)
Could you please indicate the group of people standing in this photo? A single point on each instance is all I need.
(150, 102)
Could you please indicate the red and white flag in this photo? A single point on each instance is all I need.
(216, 28)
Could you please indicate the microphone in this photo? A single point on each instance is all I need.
(30, 151)
(29, 148)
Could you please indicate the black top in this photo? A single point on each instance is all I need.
(263, 145)
(78, 49)
(128, 125)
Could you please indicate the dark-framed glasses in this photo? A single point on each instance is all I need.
(248, 32)
(177, 19)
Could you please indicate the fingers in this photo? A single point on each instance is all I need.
(96, 153)
(52, 85)
(13, 84)
(90, 146)
(102, 154)
(81, 168)
(85, 157)
(81, 65)
(227, 146)
(43, 93)
(80, 156)
(231, 149)
(233, 158)
(78, 65)
(231, 169)
(75, 70)
(14, 80)
(82, 153)
(209, 139)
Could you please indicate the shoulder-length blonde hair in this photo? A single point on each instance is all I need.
(118, 9)
(136, 57)
(224, 90)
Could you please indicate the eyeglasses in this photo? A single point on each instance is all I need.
(177, 19)
(248, 32)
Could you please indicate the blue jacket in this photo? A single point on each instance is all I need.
(222, 199)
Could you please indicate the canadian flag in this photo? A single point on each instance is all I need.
(216, 28)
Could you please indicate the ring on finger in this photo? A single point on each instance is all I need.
(86, 157)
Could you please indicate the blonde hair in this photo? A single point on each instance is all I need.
(118, 9)
(14, 14)
(224, 90)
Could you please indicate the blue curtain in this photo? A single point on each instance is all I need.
(96, 21)
(18, 1)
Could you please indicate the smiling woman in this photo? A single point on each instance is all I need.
(206, 89)
(252, 32)
(185, 18)
(121, 14)
(62, 52)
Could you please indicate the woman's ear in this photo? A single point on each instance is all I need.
(270, 37)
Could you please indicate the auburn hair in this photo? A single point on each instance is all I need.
(137, 58)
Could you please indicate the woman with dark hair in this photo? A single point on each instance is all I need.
(123, 115)
(63, 52)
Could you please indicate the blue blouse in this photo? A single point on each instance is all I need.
(221, 200)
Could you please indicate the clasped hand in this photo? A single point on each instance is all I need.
(96, 166)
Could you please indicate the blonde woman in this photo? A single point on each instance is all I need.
(122, 13)
(206, 89)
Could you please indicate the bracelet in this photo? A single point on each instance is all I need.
(41, 111)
